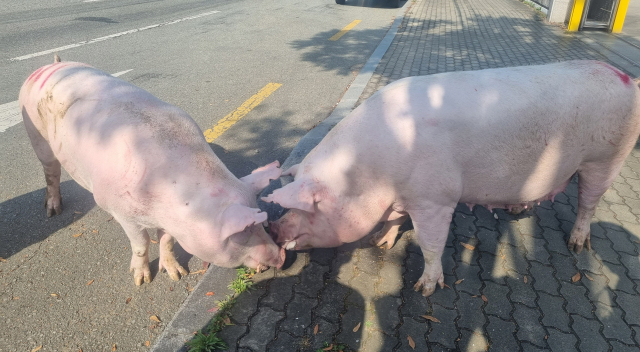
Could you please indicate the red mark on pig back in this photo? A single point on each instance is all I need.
(623, 76)
(57, 67)
(36, 72)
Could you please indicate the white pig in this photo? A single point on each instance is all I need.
(148, 164)
(501, 138)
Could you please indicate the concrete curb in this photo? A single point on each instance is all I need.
(193, 314)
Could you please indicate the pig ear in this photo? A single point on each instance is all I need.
(296, 195)
(238, 217)
(292, 171)
(259, 178)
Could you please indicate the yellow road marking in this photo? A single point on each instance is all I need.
(344, 30)
(226, 122)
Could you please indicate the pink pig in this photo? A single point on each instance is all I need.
(147, 164)
(502, 138)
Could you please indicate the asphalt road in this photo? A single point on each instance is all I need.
(64, 281)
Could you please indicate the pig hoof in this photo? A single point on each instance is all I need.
(427, 289)
(141, 275)
(53, 207)
(172, 267)
(261, 268)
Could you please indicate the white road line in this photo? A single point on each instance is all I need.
(10, 114)
(118, 74)
(111, 36)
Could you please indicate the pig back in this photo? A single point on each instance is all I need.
(485, 133)
(108, 132)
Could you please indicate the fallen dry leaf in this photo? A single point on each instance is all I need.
(55, 295)
(147, 343)
(315, 330)
(210, 293)
(484, 298)
(328, 348)
(77, 234)
(189, 288)
(154, 318)
(77, 212)
(127, 301)
(226, 320)
(458, 282)
(2, 260)
(198, 272)
(576, 277)
(467, 246)
(525, 279)
(588, 277)
(356, 328)
(213, 310)
(153, 241)
(433, 319)
(89, 283)
(411, 343)
(114, 347)
(95, 231)
(37, 348)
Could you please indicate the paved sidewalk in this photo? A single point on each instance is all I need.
(513, 285)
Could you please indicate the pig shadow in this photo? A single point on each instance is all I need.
(24, 222)
(23, 219)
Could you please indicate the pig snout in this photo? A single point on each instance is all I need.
(284, 231)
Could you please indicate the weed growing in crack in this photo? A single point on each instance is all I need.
(207, 339)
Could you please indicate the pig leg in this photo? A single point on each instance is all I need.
(50, 164)
(388, 233)
(168, 258)
(431, 226)
(140, 247)
(593, 182)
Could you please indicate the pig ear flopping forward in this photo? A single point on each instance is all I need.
(296, 195)
(238, 217)
(259, 178)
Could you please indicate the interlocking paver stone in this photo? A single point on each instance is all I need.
(614, 326)
(501, 334)
(543, 281)
(554, 313)
(298, 315)
(620, 240)
(473, 341)
(473, 307)
(529, 325)
(445, 332)
(618, 279)
(261, 331)
(471, 283)
(561, 342)
(588, 332)
(577, 302)
(417, 331)
(630, 303)
(521, 292)
(497, 301)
